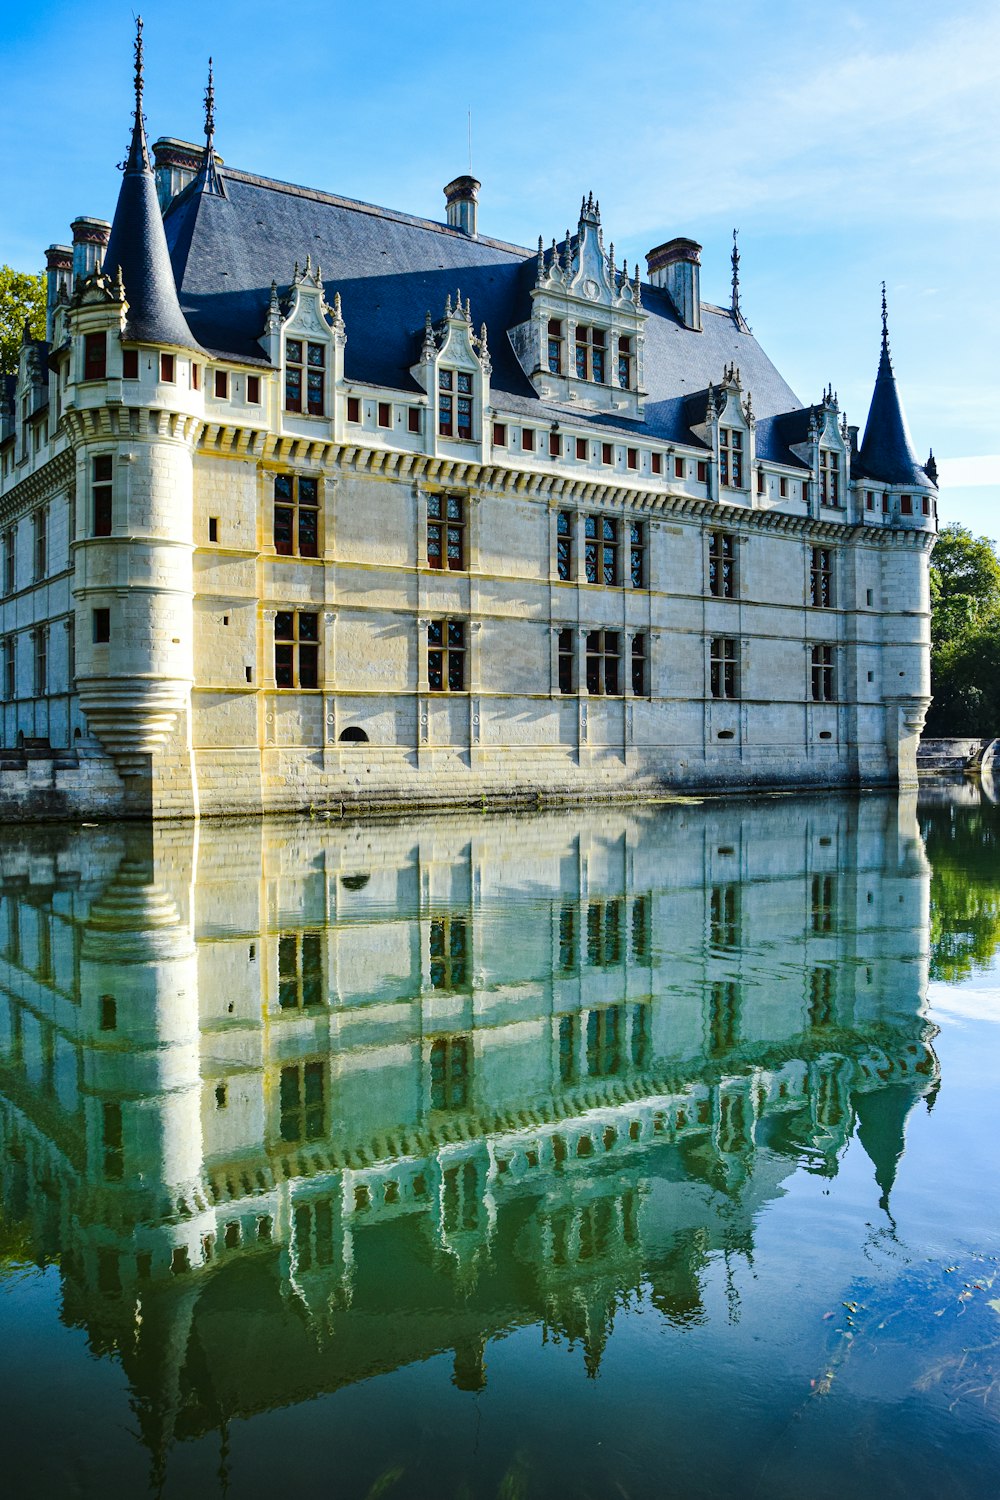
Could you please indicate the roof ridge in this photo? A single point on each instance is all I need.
(338, 200)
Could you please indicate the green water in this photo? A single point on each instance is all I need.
(637, 1153)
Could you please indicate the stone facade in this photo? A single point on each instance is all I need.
(271, 550)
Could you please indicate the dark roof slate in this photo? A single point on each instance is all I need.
(138, 245)
(887, 449)
(391, 268)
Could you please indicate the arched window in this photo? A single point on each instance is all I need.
(352, 735)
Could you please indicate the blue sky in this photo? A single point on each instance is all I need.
(848, 143)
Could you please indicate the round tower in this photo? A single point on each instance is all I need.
(133, 407)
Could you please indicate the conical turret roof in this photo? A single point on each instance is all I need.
(139, 246)
(887, 449)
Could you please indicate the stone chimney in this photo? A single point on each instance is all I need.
(676, 268)
(175, 164)
(462, 198)
(90, 237)
(58, 273)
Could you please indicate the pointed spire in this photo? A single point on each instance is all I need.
(735, 257)
(931, 468)
(208, 179)
(138, 245)
(887, 449)
(138, 153)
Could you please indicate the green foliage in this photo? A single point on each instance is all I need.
(965, 635)
(964, 853)
(22, 296)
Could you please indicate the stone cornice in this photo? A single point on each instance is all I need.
(39, 485)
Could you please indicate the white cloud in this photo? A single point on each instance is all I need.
(970, 473)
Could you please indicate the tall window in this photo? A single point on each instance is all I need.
(722, 564)
(724, 916)
(625, 363)
(640, 682)
(566, 661)
(821, 578)
(450, 1072)
(296, 516)
(302, 1102)
(448, 952)
(40, 638)
(604, 662)
(95, 356)
(455, 403)
(305, 377)
(296, 649)
(829, 477)
(564, 544)
(600, 549)
(446, 656)
(723, 1017)
(637, 553)
(731, 457)
(822, 674)
(41, 523)
(9, 559)
(821, 903)
(446, 532)
(555, 347)
(300, 970)
(101, 470)
(591, 354)
(723, 667)
(604, 1040)
(9, 678)
(604, 932)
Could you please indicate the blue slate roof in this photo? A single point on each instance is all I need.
(138, 245)
(887, 449)
(391, 268)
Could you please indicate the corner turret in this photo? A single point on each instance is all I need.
(138, 245)
(887, 453)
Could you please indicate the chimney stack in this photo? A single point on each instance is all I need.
(90, 237)
(175, 164)
(58, 271)
(462, 198)
(676, 268)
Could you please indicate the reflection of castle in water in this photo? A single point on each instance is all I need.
(265, 1084)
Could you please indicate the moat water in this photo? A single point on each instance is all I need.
(637, 1153)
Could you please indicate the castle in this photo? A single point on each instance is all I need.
(307, 503)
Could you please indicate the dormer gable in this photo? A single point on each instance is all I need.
(306, 338)
(825, 449)
(583, 342)
(454, 369)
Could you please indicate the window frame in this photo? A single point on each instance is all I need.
(821, 578)
(603, 663)
(301, 515)
(822, 672)
(723, 668)
(447, 526)
(95, 356)
(731, 456)
(449, 674)
(102, 494)
(297, 651)
(829, 477)
(721, 575)
(305, 375)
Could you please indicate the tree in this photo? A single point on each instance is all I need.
(22, 297)
(965, 635)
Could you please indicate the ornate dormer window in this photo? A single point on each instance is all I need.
(584, 339)
(727, 427)
(454, 369)
(825, 449)
(306, 338)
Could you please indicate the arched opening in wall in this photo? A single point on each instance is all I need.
(354, 882)
(352, 735)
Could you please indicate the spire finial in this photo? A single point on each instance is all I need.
(138, 65)
(885, 317)
(735, 257)
(209, 180)
(210, 107)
